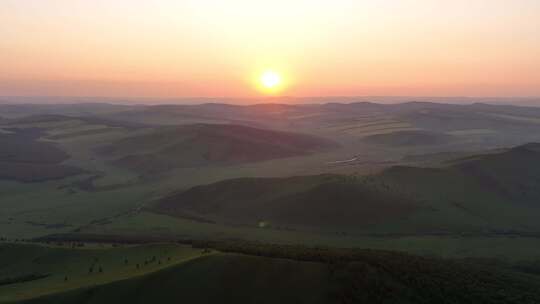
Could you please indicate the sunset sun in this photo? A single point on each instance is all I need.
(270, 79)
(270, 82)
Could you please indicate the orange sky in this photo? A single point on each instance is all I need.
(135, 48)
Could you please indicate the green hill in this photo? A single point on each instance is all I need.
(314, 202)
(485, 194)
(290, 274)
(209, 144)
(496, 192)
(29, 271)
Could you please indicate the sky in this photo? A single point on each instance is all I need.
(203, 48)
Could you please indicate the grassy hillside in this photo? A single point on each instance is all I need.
(495, 193)
(24, 158)
(285, 274)
(515, 174)
(316, 202)
(499, 190)
(28, 271)
(165, 148)
(451, 201)
(57, 203)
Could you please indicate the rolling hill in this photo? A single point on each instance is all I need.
(164, 148)
(217, 157)
(493, 193)
(244, 273)
(475, 125)
(23, 157)
(327, 202)
(513, 175)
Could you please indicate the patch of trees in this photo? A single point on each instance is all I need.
(374, 276)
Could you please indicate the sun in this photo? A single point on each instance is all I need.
(270, 79)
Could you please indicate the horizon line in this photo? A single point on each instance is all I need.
(273, 97)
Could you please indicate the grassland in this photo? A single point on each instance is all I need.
(98, 190)
(480, 195)
(150, 225)
(112, 205)
(65, 268)
(251, 272)
(484, 206)
(108, 198)
(291, 202)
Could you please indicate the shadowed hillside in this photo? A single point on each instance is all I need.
(23, 157)
(203, 144)
(512, 176)
(495, 193)
(317, 202)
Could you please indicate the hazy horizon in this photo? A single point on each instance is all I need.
(292, 100)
